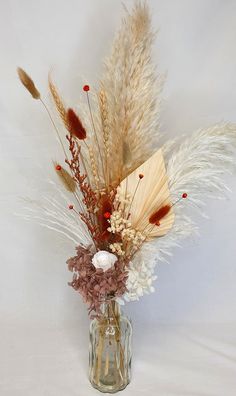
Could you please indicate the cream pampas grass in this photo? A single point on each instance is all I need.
(133, 93)
(200, 162)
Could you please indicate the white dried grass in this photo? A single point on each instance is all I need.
(198, 166)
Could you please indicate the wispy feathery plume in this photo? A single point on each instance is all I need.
(133, 93)
(197, 164)
(52, 213)
(28, 83)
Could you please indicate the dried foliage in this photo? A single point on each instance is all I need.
(89, 196)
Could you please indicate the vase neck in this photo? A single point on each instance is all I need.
(110, 308)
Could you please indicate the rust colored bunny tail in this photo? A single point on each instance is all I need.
(75, 125)
(156, 217)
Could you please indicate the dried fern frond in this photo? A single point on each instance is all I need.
(28, 83)
(133, 93)
(66, 179)
(58, 102)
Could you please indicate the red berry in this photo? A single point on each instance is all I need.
(107, 215)
(71, 207)
(140, 176)
(58, 167)
(86, 88)
(184, 195)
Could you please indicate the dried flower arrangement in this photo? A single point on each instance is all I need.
(126, 193)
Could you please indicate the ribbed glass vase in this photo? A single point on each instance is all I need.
(110, 349)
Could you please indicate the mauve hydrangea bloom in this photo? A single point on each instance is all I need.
(94, 284)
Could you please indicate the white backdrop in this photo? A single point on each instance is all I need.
(184, 334)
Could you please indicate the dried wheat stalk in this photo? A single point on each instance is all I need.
(58, 102)
(104, 111)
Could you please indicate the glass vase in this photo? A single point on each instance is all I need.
(110, 349)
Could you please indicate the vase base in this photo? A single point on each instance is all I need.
(107, 389)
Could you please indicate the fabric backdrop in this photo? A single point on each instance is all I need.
(185, 333)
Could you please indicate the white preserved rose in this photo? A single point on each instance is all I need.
(104, 260)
